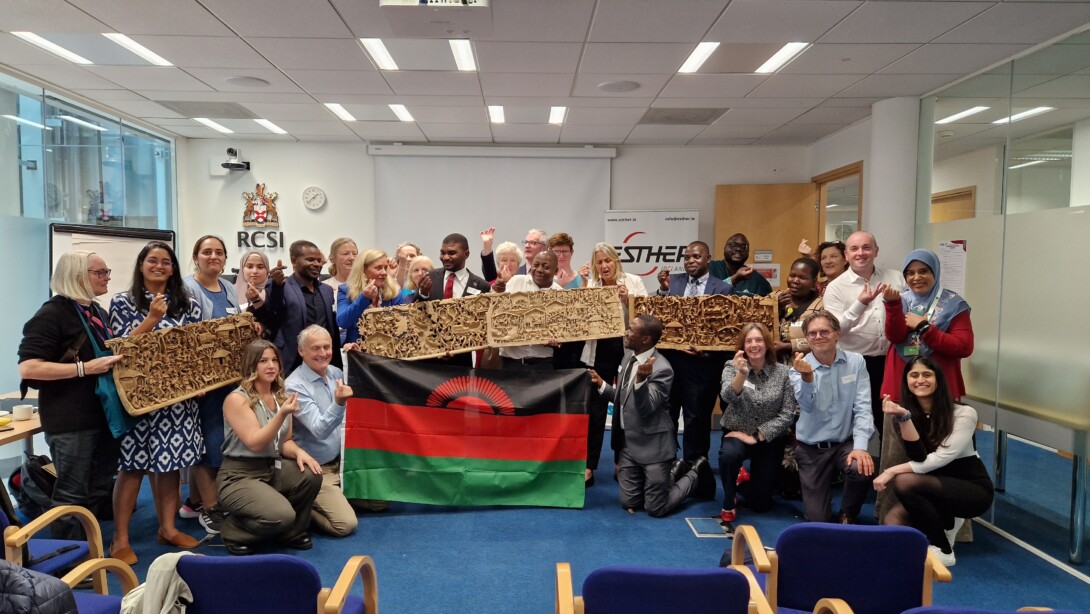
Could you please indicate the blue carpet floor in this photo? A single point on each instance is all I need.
(502, 560)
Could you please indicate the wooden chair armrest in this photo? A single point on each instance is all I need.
(938, 571)
(84, 570)
(757, 601)
(1030, 608)
(565, 594)
(745, 537)
(364, 567)
(832, 606)
(15, 538)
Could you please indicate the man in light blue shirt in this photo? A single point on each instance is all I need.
(318, 426)
(833, 390)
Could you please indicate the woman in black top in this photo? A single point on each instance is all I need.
(57, 357)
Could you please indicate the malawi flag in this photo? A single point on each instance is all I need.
(449, 435)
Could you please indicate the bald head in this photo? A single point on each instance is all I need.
(543, 268)
(860, 249)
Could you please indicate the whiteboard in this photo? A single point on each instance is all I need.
(119, 247)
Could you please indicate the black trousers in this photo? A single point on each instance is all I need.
(876, 369)
(693, 393)
(764, 460)
(607, 359)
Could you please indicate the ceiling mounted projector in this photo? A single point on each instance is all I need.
(438, 18)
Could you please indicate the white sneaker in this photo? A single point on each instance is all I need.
(947, 560)
(952, 534)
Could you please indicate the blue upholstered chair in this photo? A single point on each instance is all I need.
(69, 552)
(99, 602)
(636, 590)
(274, 583)
(871, 569)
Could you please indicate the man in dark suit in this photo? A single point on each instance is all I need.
(649, 451)
(452, 281)
(696, 386)
(303, 301)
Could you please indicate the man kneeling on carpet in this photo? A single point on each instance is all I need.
(267, 483)
(648, 453)
(319, 424)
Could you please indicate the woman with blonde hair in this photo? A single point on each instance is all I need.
(369, 284)
(418, 268)
(342, 255)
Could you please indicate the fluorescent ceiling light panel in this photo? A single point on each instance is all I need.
(85, 124)
(1024, 114)
(340, 111)
(962, 115)
(137, 48)
(557, 114)
(1026, 164)
(696, 59)
(20, 120)
(495, 114)
(271, 127)
(213, 125)
(463, 54)
(52, 47)
(401, 112)
(780, 59)
(377, 50)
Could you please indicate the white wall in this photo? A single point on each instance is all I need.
(211, 202)
(842, 148)
(978, 168)
(685, 177)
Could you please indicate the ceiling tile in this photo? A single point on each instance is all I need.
(421, 54)
(572, 102)
(351, 137)
(171, 17)
(385, 99)
(536, 21)
(526, 115)
(204, 51)
(98, 49)
(778, 21)
(849, 102)
(310, 53)
(167, 122)
(759, 116)
(365, 19)
(606, 134)
(108, 95)
(889, 86)
(340, 81)
(319, 128)
(372, 112)
(70, 76)
(14, 51)
(739, 57)
(276, 111)
(525, 133)
(745, 103)
(993, 85)
(721, 130)
(604, 116)
(438, 132)
(642, 58)
(902, 22)
(143, 108)
(428, 83)
(388, 131)
(833, 115)
(527, 57)
(448, 115)
(662, 135)
(712, 86)
(300, 18)
(803, 131)
(526, 84)
(1019, 22)
(951, 59)
(42, 16)
(701, 141)
(211, 96)
(217, 78)
(846, 59)
(781, 85)
(653, 21)
(196, 132)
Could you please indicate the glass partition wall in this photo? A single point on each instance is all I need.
(1005, 167)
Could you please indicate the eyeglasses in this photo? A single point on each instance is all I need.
(166, 263)
(100, 273)
(814, 334)
(738, 245)
(529, 243)
(562, 252)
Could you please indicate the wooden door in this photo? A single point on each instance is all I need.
(774, 217)
(951, 205)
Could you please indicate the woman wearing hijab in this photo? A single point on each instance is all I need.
(926, 319)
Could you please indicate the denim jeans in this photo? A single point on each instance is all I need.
(86, 463)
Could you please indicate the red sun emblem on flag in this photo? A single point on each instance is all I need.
(470, 393)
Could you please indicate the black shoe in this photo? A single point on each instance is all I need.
(705, 479)
(239, 549)
(299, 542)
(679, 468)
(845, 518)
(587, 483)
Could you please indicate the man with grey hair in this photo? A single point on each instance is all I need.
(319, 425)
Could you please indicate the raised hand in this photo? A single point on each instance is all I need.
(158, 308)
(291, 405)
(622, 291)
(252, 293)
(487, 236)
(868, 294)
(913, 320)
(644, 371)
(890, 294)
(784, 299)
(741, 363)
(277, 273)
(371, 292)
(804, 368)
(664, 280)
(805, 249)
(742, 273)
(595, 378)
(342, 393)
(584, 272)
(506, 272)
(424, 283)
(891, 408)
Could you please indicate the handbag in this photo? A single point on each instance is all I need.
(119, 420)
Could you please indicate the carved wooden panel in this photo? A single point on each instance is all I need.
(165, 366)
(709, 322)
(427, 329)
(527, 318)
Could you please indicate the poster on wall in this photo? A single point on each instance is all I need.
(770, 271)
(952, 256)
(650, 241)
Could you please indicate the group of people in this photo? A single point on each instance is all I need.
(854, 344)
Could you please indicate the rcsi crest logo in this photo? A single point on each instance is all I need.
(260, 209)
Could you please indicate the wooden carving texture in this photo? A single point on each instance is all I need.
(165, 366)
(427, 329)
(710, 322)
(527, 318)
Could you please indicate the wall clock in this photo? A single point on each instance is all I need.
(314, 198)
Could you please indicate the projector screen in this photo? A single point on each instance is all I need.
(424, 198)
(117, 246)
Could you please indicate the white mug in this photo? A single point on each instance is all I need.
(22, 412)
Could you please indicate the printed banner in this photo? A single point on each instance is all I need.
(447, 435)
(649, 241)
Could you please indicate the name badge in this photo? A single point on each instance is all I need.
(472, 291)
(232, 311)
(277, 464)
(912, 350)
(748, 384)
(847, 379)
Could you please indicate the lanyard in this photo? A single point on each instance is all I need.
(269, 416)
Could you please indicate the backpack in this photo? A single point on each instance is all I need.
(32, 485)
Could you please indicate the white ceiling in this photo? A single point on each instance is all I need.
(541, 53)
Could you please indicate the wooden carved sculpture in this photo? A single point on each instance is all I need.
(710, 322)
(525, 318)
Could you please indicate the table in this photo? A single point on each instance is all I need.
(23, 429)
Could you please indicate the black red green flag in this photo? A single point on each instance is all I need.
(449, 435)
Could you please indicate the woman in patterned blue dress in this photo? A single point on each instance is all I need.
(168, 439)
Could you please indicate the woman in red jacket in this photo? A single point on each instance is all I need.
(926, 320)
